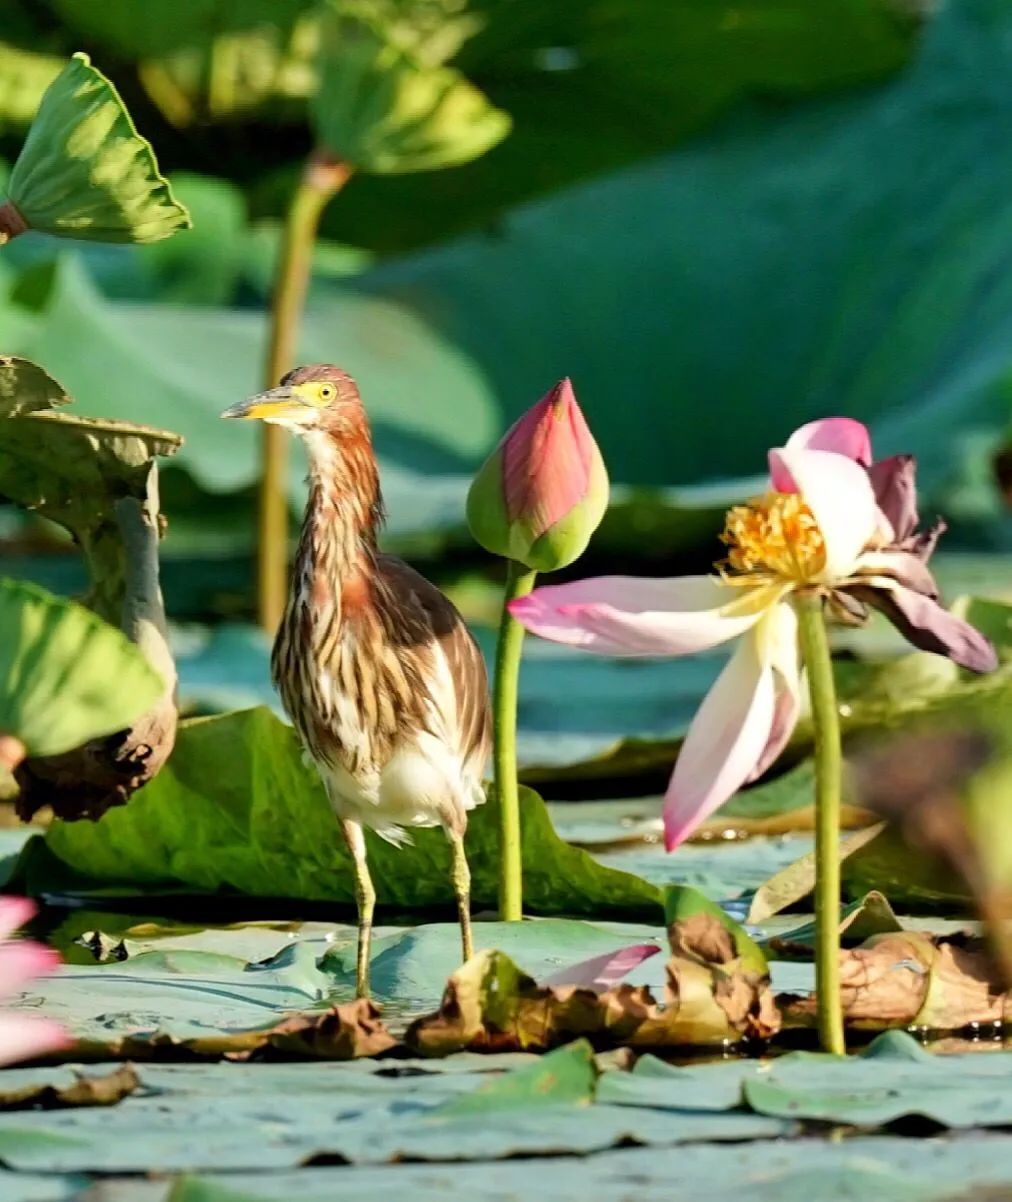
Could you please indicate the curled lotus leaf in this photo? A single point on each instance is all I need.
(85, 172)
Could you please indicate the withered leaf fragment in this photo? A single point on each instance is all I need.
(910, 979)
(85, 1090)
(343, 1032)
(712, 996)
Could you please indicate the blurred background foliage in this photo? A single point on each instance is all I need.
(719, 218)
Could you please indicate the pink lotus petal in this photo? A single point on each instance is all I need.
(547, 460)
(779, 630)
(602, 972)
(725, 741)
(632, 616)
(14, 913)
(24, 1037)
(839, 494)
(23, 960)
(841, 435)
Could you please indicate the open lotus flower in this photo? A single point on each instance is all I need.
(833, 522)
(23, 1036)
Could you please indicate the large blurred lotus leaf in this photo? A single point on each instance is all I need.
(384, 112)
(26, 388)
(900, 318)
(24, 77)
(263, 827)
(609, 83)
(208, 59)
(149, 30)
(85, 172)
(184, 365)
(202, 268)
(66, 676)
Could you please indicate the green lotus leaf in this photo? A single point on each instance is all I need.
(66, 676)
(26, 388)
(85, 172)
(384, 112)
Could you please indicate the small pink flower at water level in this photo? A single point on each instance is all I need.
(542, 492)
(832, 522)
(23, 1037)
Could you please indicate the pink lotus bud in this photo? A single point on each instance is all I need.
(543, 491)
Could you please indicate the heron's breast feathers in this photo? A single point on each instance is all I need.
(393, 696)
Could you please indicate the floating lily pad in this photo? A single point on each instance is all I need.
(265, 828)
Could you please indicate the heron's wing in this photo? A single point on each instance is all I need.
(425, 615)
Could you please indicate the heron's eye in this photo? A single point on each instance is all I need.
(326, 392)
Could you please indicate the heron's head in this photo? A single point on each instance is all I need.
(309, 398)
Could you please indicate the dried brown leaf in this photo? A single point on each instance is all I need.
(344, 1032)
(105, 1090)
(906, 979)
(491, 1005)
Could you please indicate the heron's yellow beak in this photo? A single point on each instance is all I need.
(273, 405)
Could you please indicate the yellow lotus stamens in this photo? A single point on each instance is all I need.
(773, 535)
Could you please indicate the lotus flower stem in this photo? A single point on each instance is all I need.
(519, 582)
(828, 770)
(322, 178)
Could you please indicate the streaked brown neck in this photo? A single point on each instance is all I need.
(337, 549)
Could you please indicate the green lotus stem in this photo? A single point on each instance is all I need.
(828, 771)
(322, 177)
(519, 582)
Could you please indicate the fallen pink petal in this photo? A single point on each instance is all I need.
(604, 971)
(24, 1037)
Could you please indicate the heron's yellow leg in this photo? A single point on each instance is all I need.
(462, 889)
(365, 897)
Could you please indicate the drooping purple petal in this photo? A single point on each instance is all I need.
(905, 567)
(929, 627)
(894, 481)
(602, 972)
